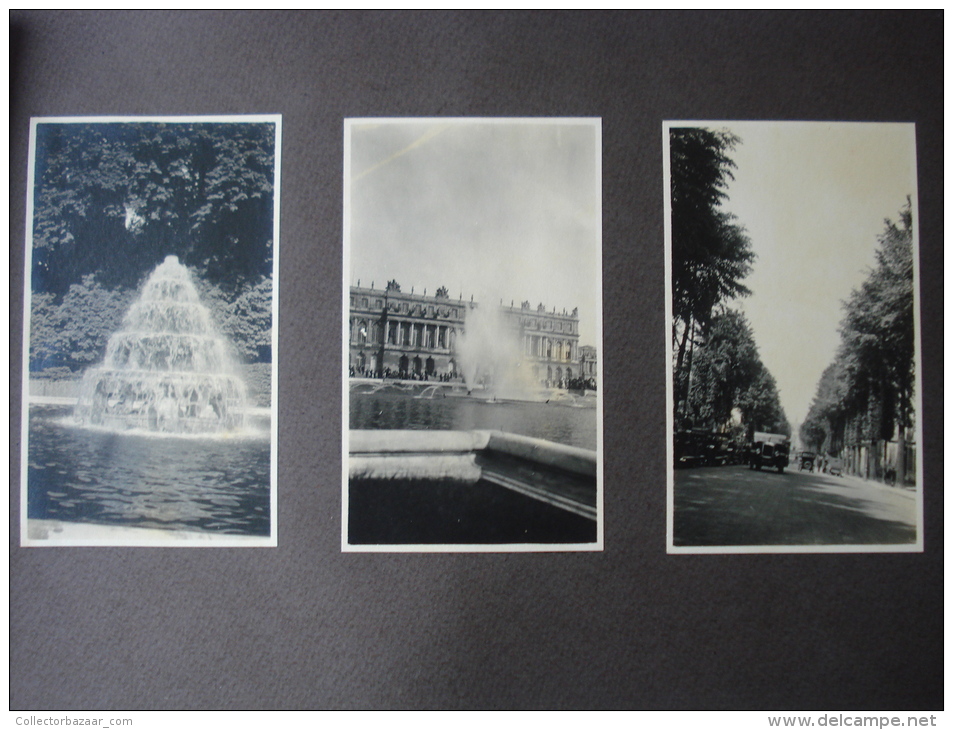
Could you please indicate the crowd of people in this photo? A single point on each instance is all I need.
(389, 374)
(581, 384)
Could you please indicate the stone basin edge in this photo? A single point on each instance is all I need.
(396, 444)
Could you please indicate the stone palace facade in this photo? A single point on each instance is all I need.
(415, 336)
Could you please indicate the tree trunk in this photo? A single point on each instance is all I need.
(688, 370)
(680, 382)
(902, 440)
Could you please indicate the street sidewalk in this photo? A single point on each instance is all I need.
(861, 483)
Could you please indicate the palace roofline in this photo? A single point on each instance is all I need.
(524, 306)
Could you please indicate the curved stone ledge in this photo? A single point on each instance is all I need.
(427, 450)
(402, 441)
(452, 467)
(560, 456)
(564, 477)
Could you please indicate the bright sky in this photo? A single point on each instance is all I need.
(813, 198)
(497, 209)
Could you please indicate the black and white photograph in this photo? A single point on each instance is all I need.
(150, 335)
(472, 329)
(793, 392)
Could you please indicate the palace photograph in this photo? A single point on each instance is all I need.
(472, 405)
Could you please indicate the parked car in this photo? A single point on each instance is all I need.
(699, 447)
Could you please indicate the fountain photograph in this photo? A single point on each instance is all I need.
(149, 413)
(472, 399)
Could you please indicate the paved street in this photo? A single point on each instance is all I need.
(733, 505)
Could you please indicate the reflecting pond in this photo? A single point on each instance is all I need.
(565, 419)
(214, 484)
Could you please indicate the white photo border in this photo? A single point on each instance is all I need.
(132, 536)
(346, 546)
(914, 547)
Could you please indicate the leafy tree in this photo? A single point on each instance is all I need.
(760, 405)
(866, 394)
(116, 199)
(711, 254)
(89, 314)
(825, 417)
(725, 364)
(245, 318)
(112, 200)
(878, 330)
(729, 376)
(813, 435)
(46, 342)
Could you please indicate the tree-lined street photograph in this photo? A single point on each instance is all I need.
(791, 261)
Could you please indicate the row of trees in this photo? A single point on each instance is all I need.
(112, 200)
(865, 397)
(719, 380)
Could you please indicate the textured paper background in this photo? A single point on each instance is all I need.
(303, 626)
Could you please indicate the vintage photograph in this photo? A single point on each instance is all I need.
(472, 333)
(793, 386)
(149, 409)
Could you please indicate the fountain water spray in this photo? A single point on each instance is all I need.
(167, 369)
(492, 357)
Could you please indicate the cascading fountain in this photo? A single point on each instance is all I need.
(167, 369)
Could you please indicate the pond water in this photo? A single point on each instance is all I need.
(570, 420)
(213, 484)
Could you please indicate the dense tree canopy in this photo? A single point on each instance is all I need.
(729, 380)
(826, 411)
(711, 254)
(866, 394)
(73, 334)
(113, 200)
(715, 355)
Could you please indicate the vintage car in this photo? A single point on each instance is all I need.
(770, 454)
(806, 461)
(698, 447)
